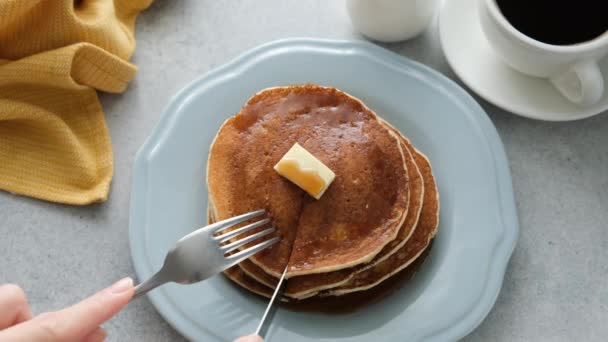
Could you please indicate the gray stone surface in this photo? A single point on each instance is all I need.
(556, 286)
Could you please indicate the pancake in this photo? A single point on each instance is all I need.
(240, 278)
(417, 188)
(302, 286)
(420, 240)
(365, 279)
(359, 214)
(351, 224)
(237, 275)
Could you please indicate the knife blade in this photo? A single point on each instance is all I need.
(262, 327)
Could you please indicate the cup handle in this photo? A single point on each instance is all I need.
(582, 84)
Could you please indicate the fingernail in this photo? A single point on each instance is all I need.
(122, 285)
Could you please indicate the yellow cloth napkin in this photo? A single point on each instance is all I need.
(54, 54)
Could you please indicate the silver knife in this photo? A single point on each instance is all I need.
(262, 328)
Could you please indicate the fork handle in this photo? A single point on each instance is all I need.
(153, 282)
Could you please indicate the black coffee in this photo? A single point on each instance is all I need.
(558, 22)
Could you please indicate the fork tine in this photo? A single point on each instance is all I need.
(246, 253)
(227, 223)
(239, 243)
(229, 235)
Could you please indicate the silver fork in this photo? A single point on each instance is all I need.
(202, 254)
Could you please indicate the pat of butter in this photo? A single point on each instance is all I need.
(306, 171)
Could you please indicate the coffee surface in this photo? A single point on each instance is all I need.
(557, 22)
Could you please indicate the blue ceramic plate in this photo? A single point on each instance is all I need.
(460, 279)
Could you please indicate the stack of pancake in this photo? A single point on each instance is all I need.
(375, 219)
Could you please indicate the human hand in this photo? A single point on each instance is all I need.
(249, 338)
(80, 322)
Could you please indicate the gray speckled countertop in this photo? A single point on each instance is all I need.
(556, 286)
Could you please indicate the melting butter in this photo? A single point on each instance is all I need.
(305, 170)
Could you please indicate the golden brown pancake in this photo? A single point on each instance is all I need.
(416, 201)
(368, 278)
(302, 286)
(363, 278)
(424, 233)
(360, 213)
(237, 275)
(255, 280)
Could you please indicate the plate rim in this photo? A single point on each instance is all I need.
(585, 113)
(506, 204)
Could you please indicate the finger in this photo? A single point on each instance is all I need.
(249, 338)
(75, 322)
(98, 335)
(84, 317)
(13, 306)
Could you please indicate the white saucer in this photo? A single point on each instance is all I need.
(473, 60)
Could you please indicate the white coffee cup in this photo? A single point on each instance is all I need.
(572, 69)
(391, 20)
